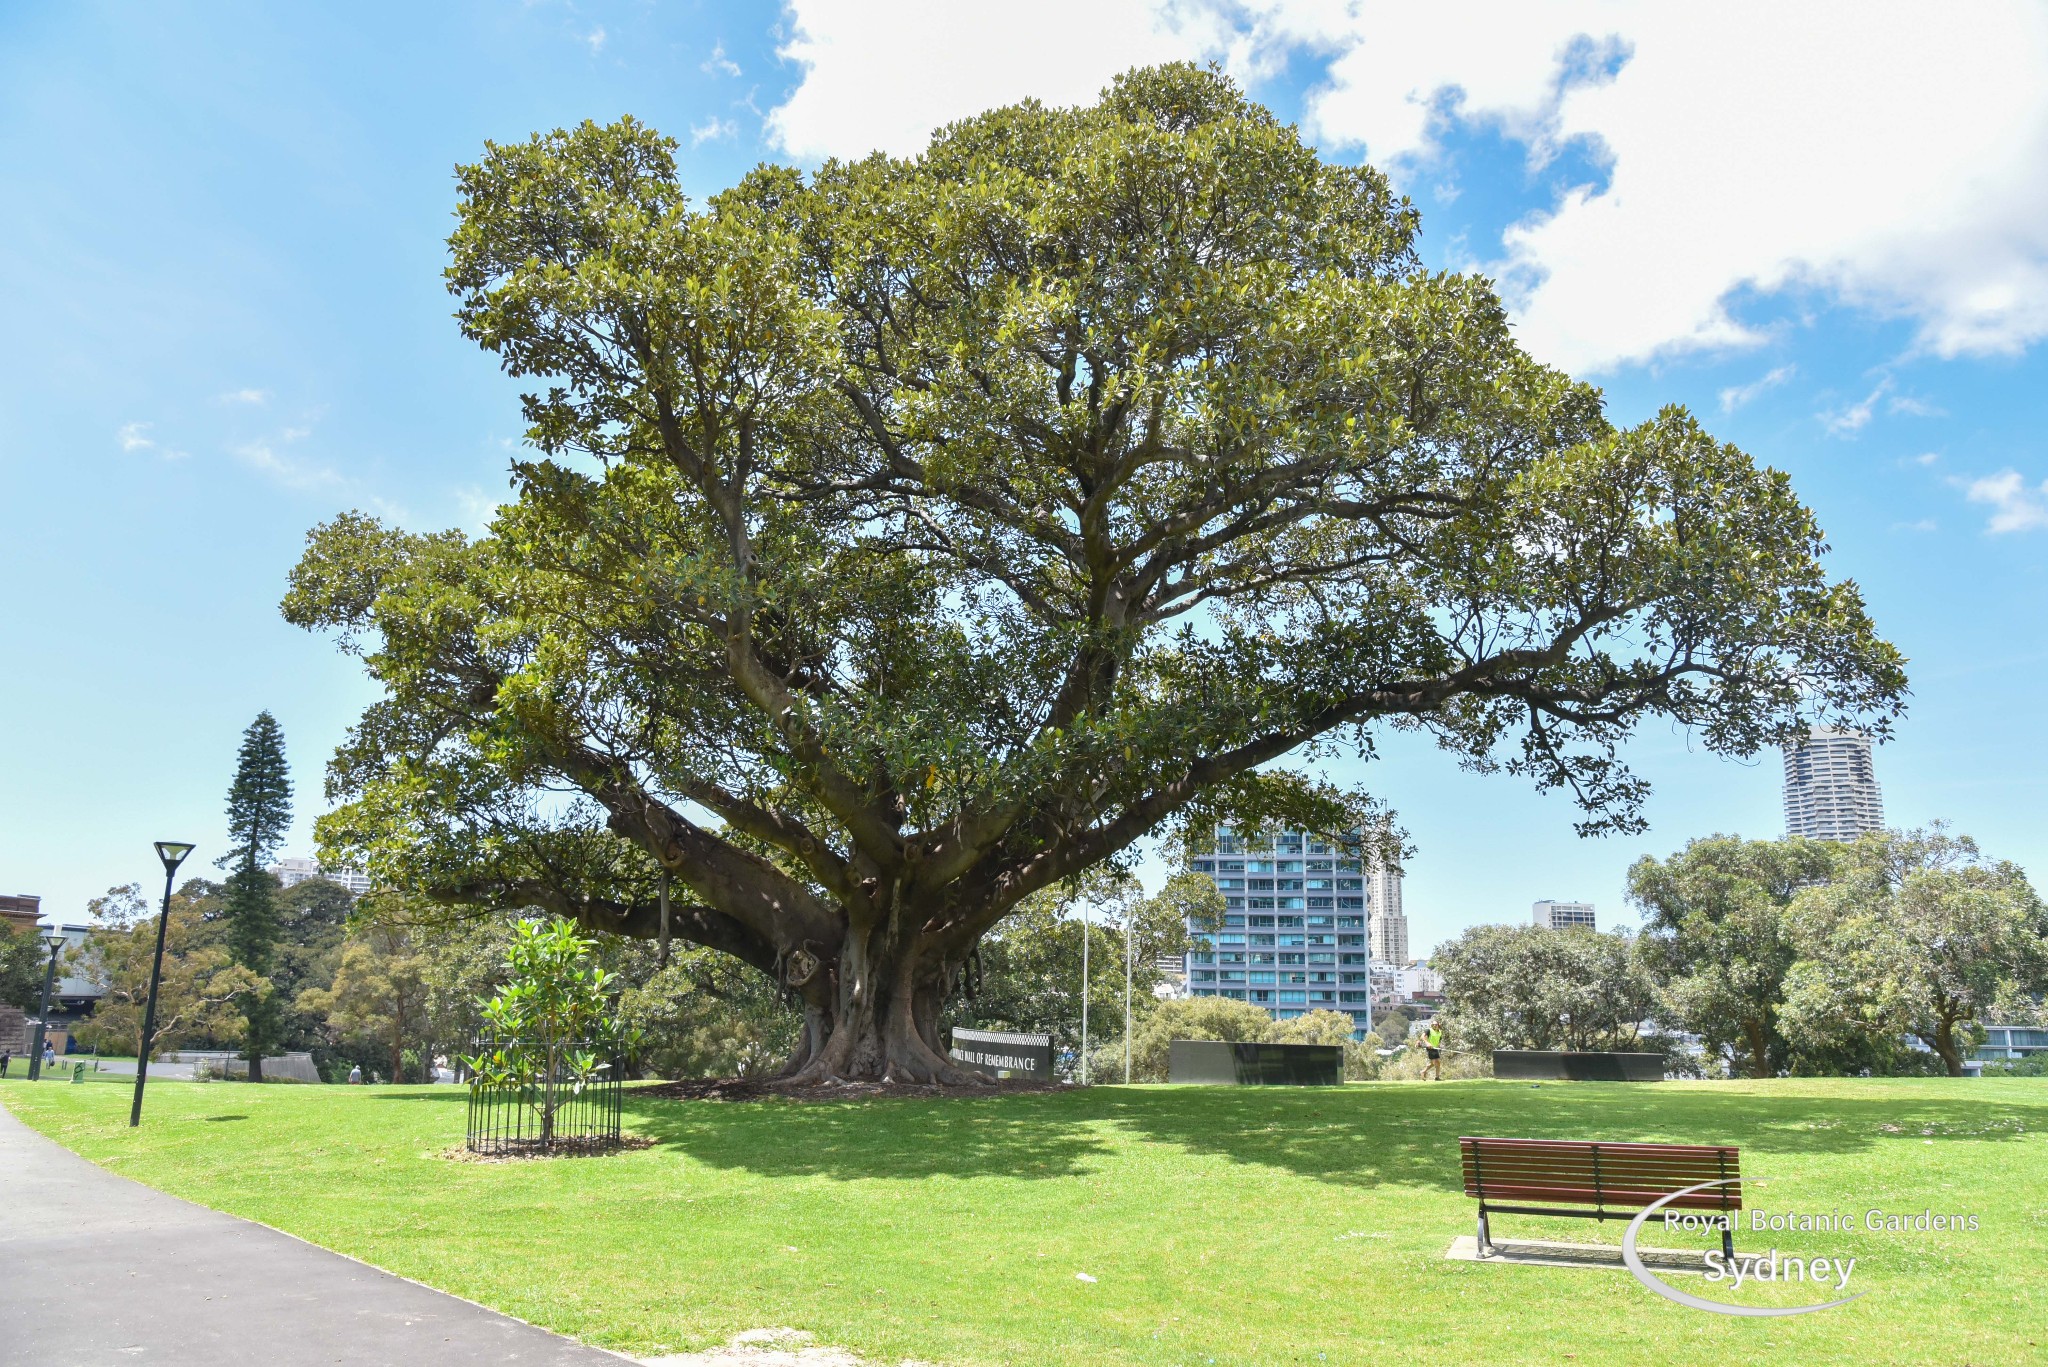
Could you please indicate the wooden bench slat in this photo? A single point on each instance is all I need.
(1601, 1196)
(1586, 1161)
(1595, 1173)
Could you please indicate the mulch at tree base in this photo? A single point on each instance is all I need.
(773, 1089)
(461, 1153)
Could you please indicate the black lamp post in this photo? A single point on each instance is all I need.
(172, 853)
(55, 940)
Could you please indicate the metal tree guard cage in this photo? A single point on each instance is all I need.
(543, 1109)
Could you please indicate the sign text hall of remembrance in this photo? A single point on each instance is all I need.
(1001, 1052)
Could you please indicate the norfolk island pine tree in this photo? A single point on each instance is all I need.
(910, 536)
(259, 813)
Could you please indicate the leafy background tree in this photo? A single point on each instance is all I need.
(259, 816)
(23, 960)
(1916, 933)
(377, 1000)
(312, 921)
(1716, 930)
(1220, 1018)
(202, 990)
(1027, 976)
(1529, 987)
(908, 538)
(704, 1015)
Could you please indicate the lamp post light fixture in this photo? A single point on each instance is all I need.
(172, 853)
(55, 940)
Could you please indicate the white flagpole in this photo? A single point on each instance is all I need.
(1084, 994)
(1128, 919)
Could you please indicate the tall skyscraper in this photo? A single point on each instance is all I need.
(1386, 924)
(1831, 790)
(1558, 915)
(1293, 934)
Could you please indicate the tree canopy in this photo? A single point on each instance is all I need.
(904, 538)
(1530, 987)
(1718, 935)
(259, 813)
(1917, 934)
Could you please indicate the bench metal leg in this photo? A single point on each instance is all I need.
(1485, 1236)
(1727, 1243)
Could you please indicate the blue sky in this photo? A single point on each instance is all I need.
(221, 237)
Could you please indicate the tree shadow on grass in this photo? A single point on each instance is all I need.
(1363, 1136)
(1030, 1136)
(1351, 1136)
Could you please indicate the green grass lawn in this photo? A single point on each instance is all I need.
(1223, 1225)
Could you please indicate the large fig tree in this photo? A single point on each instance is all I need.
(905, 537)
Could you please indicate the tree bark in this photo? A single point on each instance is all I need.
(871, 1014)
(1759, 1048)
(1945, 1046)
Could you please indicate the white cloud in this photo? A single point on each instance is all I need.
(1915, 408)
(1847, 421)
(264, 458)
(718, 64)
(716, 129)
(134, 436)
(882, 74)
(594, 40)
(254, 398)
(1883, 156)
(1925, 524)
(1927, 458)
(478, 508)
(1735, 396)
(2015, 507)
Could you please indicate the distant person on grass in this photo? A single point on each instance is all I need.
(49, 1055)
(1433, 1041)
(355, 1073)
(6, 1057)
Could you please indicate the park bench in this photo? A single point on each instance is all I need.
(1565, 1177)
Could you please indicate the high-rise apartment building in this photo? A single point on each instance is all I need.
(1293, 937)
(1386, 925)
(294, 871)
(1831, 790)
(1561, 915)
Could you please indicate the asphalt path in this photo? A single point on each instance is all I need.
(100, 1269)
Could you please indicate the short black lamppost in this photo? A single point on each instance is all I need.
(172, 853)
(55, 940)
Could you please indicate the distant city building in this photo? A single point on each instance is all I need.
(2008, 1042)
(1386, 924)
(1560, 915)
(1416, 981)
(291, 872)
(1293, 936)
(1831, 790)
(20, 912)
(73, 992)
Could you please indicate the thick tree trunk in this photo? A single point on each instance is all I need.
(1945, 1046)
(872, 1015)
(1759, 1048)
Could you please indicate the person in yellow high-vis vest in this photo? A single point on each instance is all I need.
(1433, 1041)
